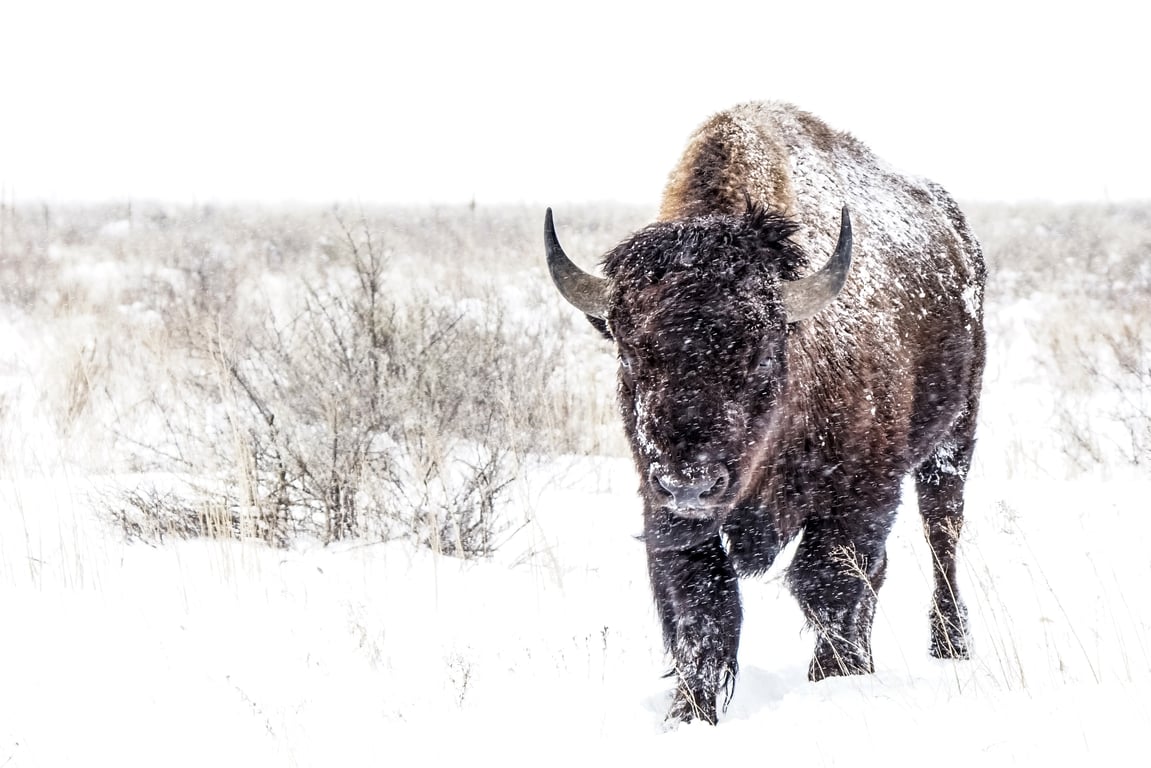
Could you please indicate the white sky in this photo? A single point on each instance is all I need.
(552, 102)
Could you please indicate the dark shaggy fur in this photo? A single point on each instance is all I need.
(783, 428)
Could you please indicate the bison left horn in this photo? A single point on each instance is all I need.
(587, 293)
(807, 296)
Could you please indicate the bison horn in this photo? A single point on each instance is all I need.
(807, 296)
(585, 292)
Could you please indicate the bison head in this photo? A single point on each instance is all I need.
(699, 310)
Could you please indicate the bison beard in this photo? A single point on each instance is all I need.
(763, 401)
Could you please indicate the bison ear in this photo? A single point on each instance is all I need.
(808, 296)
(587, 293)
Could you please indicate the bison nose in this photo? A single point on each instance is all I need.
(693, 487)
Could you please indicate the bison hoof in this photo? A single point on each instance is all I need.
(831, 662)
(949, 642)
(949, 635)
(687, 707)
(820, 670)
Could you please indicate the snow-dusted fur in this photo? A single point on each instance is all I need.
(808, 426)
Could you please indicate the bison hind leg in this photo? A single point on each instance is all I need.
(940, 482)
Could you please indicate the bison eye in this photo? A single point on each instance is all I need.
(627, 362)
(765, 365)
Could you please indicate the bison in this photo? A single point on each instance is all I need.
(766, 399)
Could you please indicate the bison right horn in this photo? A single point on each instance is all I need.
(587, 293)
(807, 296)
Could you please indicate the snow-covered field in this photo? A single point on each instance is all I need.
(231, 652)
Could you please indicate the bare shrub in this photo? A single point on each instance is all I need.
(357, 416)
(152, 515)
(336, 397)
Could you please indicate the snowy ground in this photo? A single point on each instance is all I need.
(231, 653)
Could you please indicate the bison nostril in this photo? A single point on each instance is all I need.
(719, 485)
(692, 486)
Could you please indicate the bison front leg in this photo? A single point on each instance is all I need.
(697, 597)
(836, 579)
